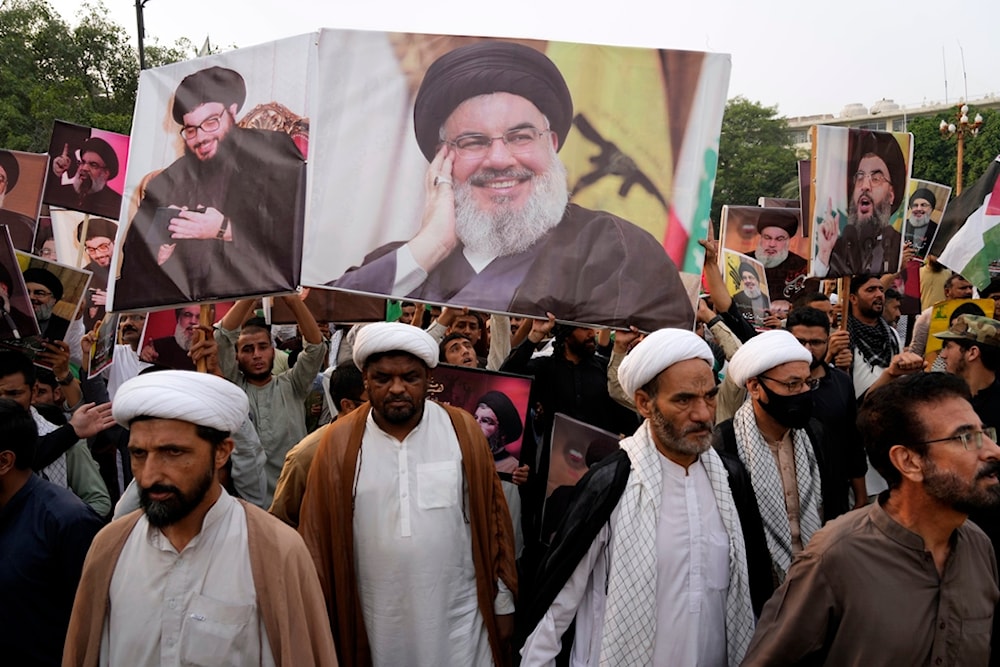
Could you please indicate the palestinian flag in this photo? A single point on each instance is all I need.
(975, 215)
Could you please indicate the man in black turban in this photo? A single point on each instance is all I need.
(876, 187)
(88, 191)
(225, 219)
(751, 300)
(497, 233)
(786, 271)
(920, 228)
(20, 226)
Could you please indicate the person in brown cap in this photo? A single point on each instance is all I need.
(876, 189)
(21, 227)
(497, 231)
(226, 217)
(785, 270)
(88, 190)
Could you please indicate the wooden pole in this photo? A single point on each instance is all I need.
(843, 292)
(205, 320)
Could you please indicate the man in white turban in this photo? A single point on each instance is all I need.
(406, 520)
(662, 576)
(780, 445)
(191, 577)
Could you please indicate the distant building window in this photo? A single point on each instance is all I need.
(876, 125)
(800, 137)
(899, 125)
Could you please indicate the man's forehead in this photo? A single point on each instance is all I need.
(493, 112)
(156, 430)
(873, 162)
(97, 240)
(920, 201)
(254, 337)
(13, 380)
(788, 370)
(92, 157)
(203, 111)
(774, 232)
(807, 331)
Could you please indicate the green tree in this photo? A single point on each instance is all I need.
(87, 74)
(756, 157)
(934, 156)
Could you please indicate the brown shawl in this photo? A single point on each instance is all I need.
(327, 525)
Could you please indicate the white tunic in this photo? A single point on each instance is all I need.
(692, 575)
(413, 549)
(196, 607)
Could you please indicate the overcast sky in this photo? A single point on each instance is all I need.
(804, 57)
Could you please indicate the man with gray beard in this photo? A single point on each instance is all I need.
(497, 231)
(876, 182)
(88, 190)
(172, 351)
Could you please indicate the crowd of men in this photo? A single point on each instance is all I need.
(812, 507)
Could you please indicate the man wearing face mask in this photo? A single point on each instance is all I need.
(780, 445)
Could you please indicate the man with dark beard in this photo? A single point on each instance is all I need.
(192, 577)
(99, 245)
(876, 181)
(224, 217)
(88, 191)
(644, 587)
(496, 232)
(907, 580)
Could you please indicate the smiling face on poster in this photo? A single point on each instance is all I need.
(88, 242)
(218, 170)
(771, 236)
(859, 200)
(926, 205)
(86, 169)
(22, 176)
(518, 177)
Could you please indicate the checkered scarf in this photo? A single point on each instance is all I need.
(630, 610)
(877, 343)
(766, 481)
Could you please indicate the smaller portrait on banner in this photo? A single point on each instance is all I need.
(861, 179)
(22, 177)
(17, 319)
(926, 206)
(498, 401)
(943, 316)
(169, 334)
(45, 242)
(87, 169)
(103, 350)
(88, 242)
(747, 284)
(771, 236)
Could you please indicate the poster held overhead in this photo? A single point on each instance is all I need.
(22, 177)
(86, 169)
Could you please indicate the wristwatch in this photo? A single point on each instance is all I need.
(66, 380)
(222, 229)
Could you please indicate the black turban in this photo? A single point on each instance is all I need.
(9, 164)
(883, 144)
(484, 68)
(47, 278)
(924, 193)
(102, 148)
(213, 84)
(784, 218)
(509, 421)
(98, 227)
(748, 268)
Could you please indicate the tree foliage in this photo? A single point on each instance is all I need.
(935, 157)
(756, 157)
(85, 74)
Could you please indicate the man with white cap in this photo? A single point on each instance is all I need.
(406, 520)
(663, 579)
(195, 577)
(780, 445)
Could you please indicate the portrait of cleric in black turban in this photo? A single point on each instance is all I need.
(21, 178)
(86, 169)
(225, 218)
(497, 230)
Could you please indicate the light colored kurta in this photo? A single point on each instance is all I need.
(196, 607)
(692, 576)
(416, 577)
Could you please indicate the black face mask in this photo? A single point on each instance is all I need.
(792, 411)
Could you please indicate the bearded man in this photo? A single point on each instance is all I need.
(920, 228)
(751, 301)
(497, 233)
(172, 351)
(876, 180)
(225, 215)
(88, 190)
(785, 270)
(21, 227)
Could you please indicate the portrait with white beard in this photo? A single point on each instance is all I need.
(506, 176)
(772, 236)
(927, 203)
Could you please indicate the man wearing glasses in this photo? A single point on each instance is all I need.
(99, 245)
(88, 191)
(782, 447)
(785, 270)
(876, 182)
(906, 580)
(225, 216)
(497, 231)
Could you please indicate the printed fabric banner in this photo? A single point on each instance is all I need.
(772, 236)
(216, 179)
(944, 313)
(445, 164)
(857, 203)
(746, 282)
(87, 169)
(974, 248)
(926, 205)
(22, 177)
(965, 204)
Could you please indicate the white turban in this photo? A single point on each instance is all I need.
(394, 337)
(199, 398)
(657, 352)
(765, 351)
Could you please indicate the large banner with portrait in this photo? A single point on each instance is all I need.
(22, 178)
(445, 164)
(86, 169)
(215, 186)
(858, 200)
(772, 236)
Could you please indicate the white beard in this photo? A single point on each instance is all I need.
(505, 231)
(96, 184)
(919, 221)
(752, 293)
(182, 338)
(770, 262)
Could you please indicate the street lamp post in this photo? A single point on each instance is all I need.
(960, 129)
(141, 26)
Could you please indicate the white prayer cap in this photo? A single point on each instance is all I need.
(394, 337)
(657, 352)
(199, 398)
(765, 351)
